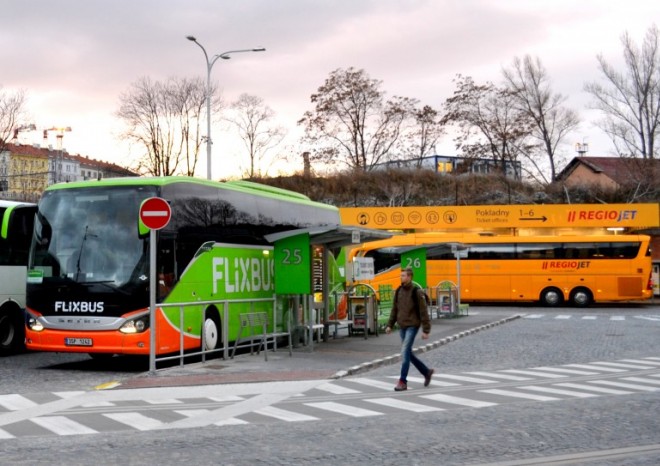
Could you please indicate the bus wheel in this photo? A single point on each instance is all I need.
(11, 331)
(581, 297)
(211, 330)
(552, 297)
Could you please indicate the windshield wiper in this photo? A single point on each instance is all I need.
(82, 246)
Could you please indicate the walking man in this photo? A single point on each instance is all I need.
(410, 312)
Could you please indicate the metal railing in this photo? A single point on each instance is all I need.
(223, 307)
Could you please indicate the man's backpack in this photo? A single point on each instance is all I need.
(415, 296)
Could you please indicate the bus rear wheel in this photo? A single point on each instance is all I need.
(552, 297)
(211, 329)
(581, 297)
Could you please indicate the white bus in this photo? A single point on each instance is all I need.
(15, 236)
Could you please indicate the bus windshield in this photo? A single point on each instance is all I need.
(90, 236)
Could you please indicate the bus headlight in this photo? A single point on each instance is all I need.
(35, 325)
(137, 325)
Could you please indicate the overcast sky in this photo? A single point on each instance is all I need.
(75, 57)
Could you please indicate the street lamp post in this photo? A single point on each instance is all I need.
(209, 66)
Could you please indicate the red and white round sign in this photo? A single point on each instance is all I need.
(155, 213)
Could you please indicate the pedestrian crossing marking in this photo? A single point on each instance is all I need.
(511, 393)
(609, 391)
(534, 373)
(5, 435)
(642, 380)
(404, 405)
(373, 383)
(15, 402)
(589, 318)
(460, 378)
(455, 400)
(625, 366)
(617, 318)
(534, 316)
(343, 409)
(163, 401)
(136, 420)
(564, 371)
(62, 425)
(592, 367)
(75, 394)
(232, 421)
(501, 376)
(640, 361)
(284, 415)
(435, 382)
(336, 389)
(563, 317)
(558, 391)
(625, 385)
(225, 399)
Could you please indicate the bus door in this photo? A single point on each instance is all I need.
(166, 264)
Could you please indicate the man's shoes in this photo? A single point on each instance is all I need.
(427, 379)
(401, 386)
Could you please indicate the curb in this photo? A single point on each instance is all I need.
(395, 358)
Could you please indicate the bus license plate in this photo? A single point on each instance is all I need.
(78, 341)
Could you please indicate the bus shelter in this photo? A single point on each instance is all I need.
(303, 260)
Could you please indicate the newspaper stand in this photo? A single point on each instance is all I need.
(446, 294)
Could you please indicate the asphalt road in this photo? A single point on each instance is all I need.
(594, 426)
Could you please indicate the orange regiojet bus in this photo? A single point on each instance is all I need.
(578, 270)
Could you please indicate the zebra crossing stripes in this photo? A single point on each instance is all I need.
(514, 394)
(404, 405)
(642, 380)
(624, 366)
(641, 361)
(346, 410)
(135, 420)
(558, 391)
(284, 415)
(592, 366)
(336, 389)
(631, 386)
(564, 371)
(515, 378)
(456, 400)
(534, 373)
(589, 317)
(461, 378)
(14, 402)
(373, 383)
(580, 386)
(62, 425)
(5, 435)
(563, 317)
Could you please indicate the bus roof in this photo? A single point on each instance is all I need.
(247, 187)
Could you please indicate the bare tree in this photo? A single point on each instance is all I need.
(528, 83)
(351, 122)
(163, 118)
(630, 99)
(12, 114)
(488, 121)
(423, 133)
(252, 118)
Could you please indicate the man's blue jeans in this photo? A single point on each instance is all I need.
(408, 335)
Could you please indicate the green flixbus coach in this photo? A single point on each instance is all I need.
(88, 276)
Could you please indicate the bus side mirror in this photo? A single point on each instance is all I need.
(143, 230)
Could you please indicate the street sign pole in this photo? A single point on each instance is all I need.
(152, 301)
(155, 213)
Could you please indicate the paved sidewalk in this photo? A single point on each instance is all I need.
(338, 357)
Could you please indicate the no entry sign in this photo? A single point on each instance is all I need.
(155, 213)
